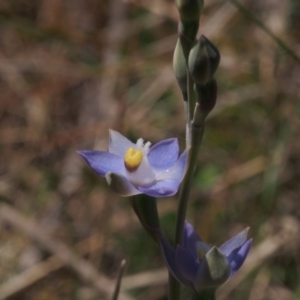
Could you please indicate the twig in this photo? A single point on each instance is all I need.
(31, 275)
(80, 266)
(261, 25)
(145, 279)
(119, 279)
(260, 285)
(240, 173)
(160, 8)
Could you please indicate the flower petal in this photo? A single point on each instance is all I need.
(177, 171)
(202, 248)
(187, 265)
(163, 188)
(238, 256)
(120, 185)
(103, 162)
(118, 144)
(191, 238)
(168, 254)
(143, 175)
(235, 242)
(164, 154)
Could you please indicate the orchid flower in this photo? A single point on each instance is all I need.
(132, 169)
(200, 266)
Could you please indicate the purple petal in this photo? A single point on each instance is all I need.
(191, 238)
(120, 185)
(118, 144)
(186, 263)
(177, 171)
(163, 188)
(238, 256)
(164, 154)
(168, 254)
(103, 162)
(234, 242)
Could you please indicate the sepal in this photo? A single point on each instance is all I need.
(216, 269)
(180, 69)
(206, 97)
(120, 185)
(190, 10)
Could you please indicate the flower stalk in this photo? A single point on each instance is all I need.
(145, 208)
(209, 294)
(195, 62)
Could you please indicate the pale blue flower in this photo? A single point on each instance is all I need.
(200, 266)
(132, 169)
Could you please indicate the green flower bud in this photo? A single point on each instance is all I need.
(188, 30)
(216, 268)
(203, 61)
(190, 10)
(187, 37)
(206, 97)
(180, 69)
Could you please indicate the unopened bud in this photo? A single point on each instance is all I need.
(180, 69)
(203, 61)
(206, 97)
(216, 268)
(187, 36)
(190, 10)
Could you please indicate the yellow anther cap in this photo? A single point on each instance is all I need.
(132, 159)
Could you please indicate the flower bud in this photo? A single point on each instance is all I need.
(190, 10)
(201, 267)
(186, 36)
(216, 269)
(206, 97)
(180, 69)
(188, 31)
(203, 61)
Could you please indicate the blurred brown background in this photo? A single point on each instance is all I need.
(72, 69)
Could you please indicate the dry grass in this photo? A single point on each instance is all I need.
(69, 71)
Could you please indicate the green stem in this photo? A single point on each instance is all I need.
(194, 140)
(191, 106)
(205, 295)
(197, 133)
(260, 24)
(174, 288)
(193, 143)
(145, 208)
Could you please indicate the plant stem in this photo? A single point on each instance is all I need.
(190, 108)
(174, 288)
(195, 139)
(145, 208)
(205, 295)
(191, 142)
